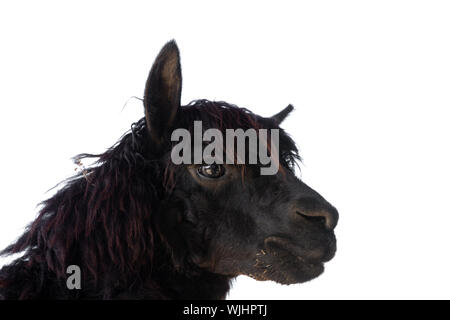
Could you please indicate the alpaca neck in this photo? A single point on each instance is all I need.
(190, 283)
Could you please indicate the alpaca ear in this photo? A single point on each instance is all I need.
(280, 116)
(162, 95)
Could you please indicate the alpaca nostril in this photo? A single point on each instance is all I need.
(312, 218)
(326, 217)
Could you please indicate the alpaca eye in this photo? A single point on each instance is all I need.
(211, 170)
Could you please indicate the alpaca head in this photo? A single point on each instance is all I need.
(230, 218)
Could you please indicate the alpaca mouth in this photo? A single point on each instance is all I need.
(286, 262)
(318, 256)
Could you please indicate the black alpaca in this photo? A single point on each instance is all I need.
(140, 227)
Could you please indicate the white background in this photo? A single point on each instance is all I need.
(370, 82)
